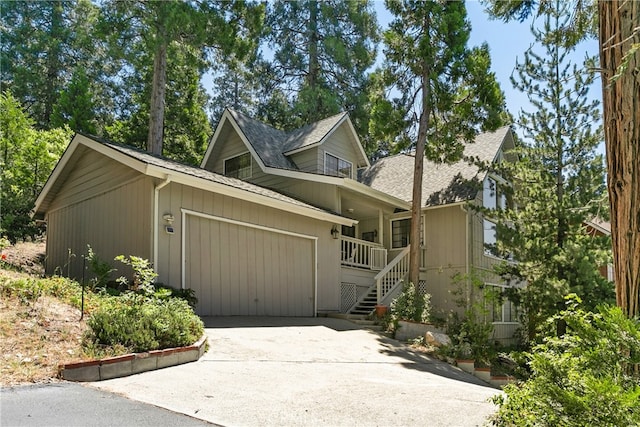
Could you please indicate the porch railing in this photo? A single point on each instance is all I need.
(394, 273)
(363, 254)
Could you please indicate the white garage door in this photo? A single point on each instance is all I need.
(241, 269)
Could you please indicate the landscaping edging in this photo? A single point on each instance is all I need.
(129, 364)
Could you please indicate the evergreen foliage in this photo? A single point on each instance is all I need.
(321, 53)
(580, 378)
(557, 184)
(27, 157)
(446, 91)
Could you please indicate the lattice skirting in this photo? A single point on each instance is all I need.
(348, 296)
(422, 287)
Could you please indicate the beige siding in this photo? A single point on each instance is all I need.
(92, 175)
(230, 147)
(114, 222)
(307, 161)
(340, 145)
(445, 241)
(176, 196)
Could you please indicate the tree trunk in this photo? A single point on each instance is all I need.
(53, 62)
(156, 111)
(314, 65)
(416, 199)
(619, 29)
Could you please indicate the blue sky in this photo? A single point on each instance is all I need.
(507, 42)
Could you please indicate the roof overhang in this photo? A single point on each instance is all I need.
(179, 177)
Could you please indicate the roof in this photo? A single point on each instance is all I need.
(273, 146)
(442, 183)
(176, 170)
(600, 225)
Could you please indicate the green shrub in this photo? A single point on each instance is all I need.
(26, 290)
(143, 274)
(101, 270)
(584, 378)
(411, 304)
(140, 323)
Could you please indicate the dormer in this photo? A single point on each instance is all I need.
(246, 148)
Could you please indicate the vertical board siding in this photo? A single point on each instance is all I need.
(446, 254)
(93, 174)
(114, 223)
(233, 249)
(288, 293)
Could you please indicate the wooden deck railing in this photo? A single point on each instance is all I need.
(391, 275)
(362, 254)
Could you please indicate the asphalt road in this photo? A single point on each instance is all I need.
(70, 404)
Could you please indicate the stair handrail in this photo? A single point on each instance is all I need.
(389, 268)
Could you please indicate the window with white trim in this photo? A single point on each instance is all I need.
(489, 237)
(238, 166)
(335, 166)
(501, 309)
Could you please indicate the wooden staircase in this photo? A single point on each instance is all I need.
(366, 305)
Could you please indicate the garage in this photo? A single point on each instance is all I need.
(238, 268)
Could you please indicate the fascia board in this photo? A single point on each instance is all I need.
(182, 178)
(214, 138)
(305, 148)
(76, 141)
(228, 117)
(306, 176)
(66, 156)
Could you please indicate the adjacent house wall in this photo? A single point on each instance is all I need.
(104, 204)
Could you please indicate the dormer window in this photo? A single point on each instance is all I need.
(335, 166)
(238, 166)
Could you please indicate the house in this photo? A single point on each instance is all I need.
(273, 223)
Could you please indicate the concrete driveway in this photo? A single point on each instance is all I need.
(309, 372)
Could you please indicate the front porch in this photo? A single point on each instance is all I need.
(369, 278)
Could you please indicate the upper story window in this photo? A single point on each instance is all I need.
(238, 166)
(492, 195)
(335, 166)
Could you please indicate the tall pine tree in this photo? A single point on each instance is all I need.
(558, 182)
(447, 93)
(321, 53)
(152, 36)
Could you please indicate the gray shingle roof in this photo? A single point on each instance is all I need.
(197, 172)
(267, 142)
(442, 183)
(271, 144)
(312, 134)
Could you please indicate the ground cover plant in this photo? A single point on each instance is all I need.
(41, 324)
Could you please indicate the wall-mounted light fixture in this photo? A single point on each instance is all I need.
(169, 219)
(334, 232)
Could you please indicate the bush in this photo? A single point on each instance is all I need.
(142, 323)
(583, 378)
(411, 305)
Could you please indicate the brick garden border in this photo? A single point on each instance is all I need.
(129, 364)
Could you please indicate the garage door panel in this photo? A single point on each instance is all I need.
(238, 269)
